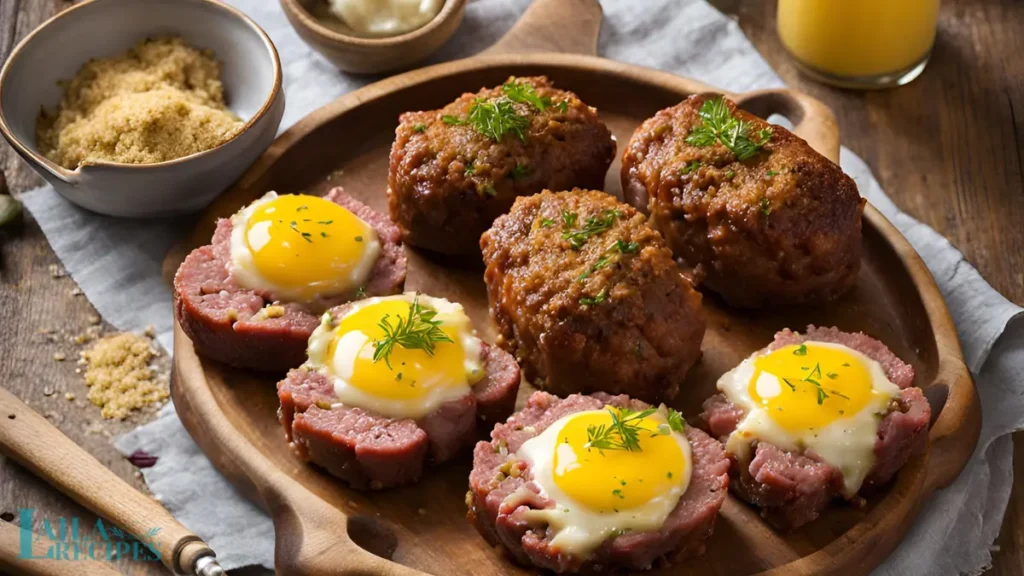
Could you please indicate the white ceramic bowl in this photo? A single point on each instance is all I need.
(251, 72)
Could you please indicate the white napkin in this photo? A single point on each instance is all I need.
(117, 265)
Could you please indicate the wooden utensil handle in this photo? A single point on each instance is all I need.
(30, 440)
(567, 26)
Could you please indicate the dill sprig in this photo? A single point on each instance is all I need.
(493, 119)
(592, 227)
(814, 378)
(718, 124)
(624, 431)
(523, 92)
(419, 331)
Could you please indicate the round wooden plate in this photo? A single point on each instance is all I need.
(323, 527)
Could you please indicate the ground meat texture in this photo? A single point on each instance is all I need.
(793, 489)
(682, 536)
(614, 315)
(370, 451)
(780, 228)
(247, 328)
(447, 182)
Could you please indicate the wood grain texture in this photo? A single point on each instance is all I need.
(947, 149)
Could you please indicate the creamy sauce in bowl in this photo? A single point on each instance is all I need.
(385, 17)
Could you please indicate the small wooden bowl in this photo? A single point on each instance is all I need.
(374, 55)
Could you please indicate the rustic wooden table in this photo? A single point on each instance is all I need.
(949, 149)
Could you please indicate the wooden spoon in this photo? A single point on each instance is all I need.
(30, 440)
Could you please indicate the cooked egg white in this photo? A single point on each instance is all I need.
(816, 396)
(301, 248)
(410, 382)
(599, 494)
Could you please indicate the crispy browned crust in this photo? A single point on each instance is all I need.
(782, 227)
(640, 340)
(443, 205)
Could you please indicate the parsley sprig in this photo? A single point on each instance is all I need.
(624, 431)
(718, 124)
(592, 227)
(418, 331)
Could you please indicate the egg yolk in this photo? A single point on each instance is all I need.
(612, 480)
(408, 372)
(305, 242)
(809, 386)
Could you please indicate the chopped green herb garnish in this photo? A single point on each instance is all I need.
(801, 351)
(846, 364)
(568, 218)
(718, 124)
(419, 128)
(488, 189)
(325, 222)
(418, 331)
(359, 238)
(523, 92)
(361, 292)
(493, 119)
(771, 173)
(669, 475)
(302, 208)
(593, 226)
(622, 434)
(601, 262)
(766, 206)
(832, 375)
(675, 421)
(470, 168)
(625, 247)
(730, 174)
(618, 493)
(690, 167)
(563, 106)
(546, 222)
(323, 234)
(600, 298)
(520, 171)
(398, 377)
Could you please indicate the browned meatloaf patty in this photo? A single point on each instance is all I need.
(448, 182)
(224, 320)
(682, 536)
(371, 451)
(610, 314)
(792, 489)
(781, 227)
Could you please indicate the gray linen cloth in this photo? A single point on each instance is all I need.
(117, 264)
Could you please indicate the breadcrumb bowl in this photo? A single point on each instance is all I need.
(250, 72)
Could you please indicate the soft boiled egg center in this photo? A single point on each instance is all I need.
(300, 248)
(437, 360)
(604, 492)
(820, 397)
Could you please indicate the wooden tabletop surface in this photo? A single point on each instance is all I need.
(949, 150)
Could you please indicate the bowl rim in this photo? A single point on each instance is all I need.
(295, 7)
(70, 175)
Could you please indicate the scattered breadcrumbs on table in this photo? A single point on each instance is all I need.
(120, 376)
(162, 100)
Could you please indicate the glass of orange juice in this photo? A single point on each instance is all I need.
(859, 43)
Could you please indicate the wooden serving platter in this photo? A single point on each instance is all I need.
(323, 527)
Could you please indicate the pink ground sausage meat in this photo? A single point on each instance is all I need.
(371, 451)
(682, 536)
(221, 317)
(793, 489)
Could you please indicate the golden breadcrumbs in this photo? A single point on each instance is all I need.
(119, 375)
(160, 101)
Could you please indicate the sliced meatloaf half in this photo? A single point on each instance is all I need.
(793, 489)
(497, 474)
(246, 328)
(370, 451)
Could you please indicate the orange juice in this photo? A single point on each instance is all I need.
(859, 39)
